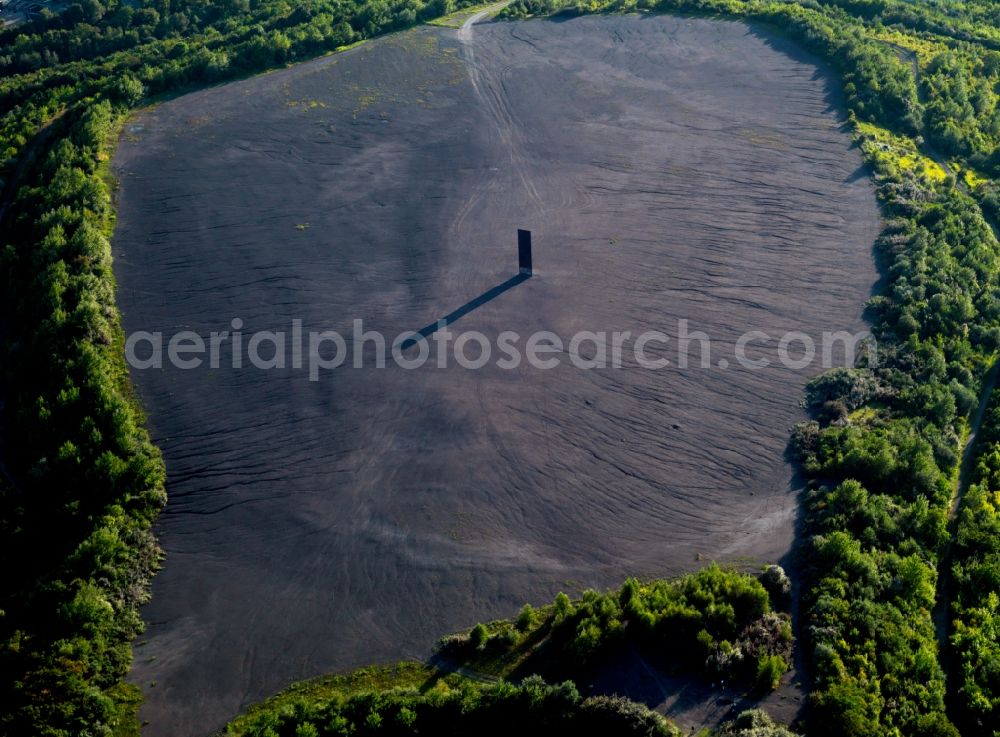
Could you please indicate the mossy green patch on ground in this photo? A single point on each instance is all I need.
(305, 105)
(458, 18)
(348, 47)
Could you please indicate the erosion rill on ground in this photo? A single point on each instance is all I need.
(414, 554)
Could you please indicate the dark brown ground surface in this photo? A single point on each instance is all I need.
(669, 168)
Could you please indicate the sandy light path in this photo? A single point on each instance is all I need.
(492, 97)
(669, 168)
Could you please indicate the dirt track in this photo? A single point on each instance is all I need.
(669, 168)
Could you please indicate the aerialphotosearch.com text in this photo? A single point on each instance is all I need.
(318, 351)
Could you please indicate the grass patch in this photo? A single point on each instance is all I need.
(458, 18)
(374, 679)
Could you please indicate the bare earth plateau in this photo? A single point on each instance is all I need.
(669, 169)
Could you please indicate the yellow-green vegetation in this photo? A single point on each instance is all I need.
(306, 104)
(896, 154)
(864, 416)
(973, 179)
(348, 47)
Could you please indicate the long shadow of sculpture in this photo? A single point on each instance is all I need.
(487, 296)
(524, 273)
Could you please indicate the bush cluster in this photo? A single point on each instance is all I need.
(716, 623)
(529, 708)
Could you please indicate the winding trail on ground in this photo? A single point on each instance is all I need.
(966, 471)
(489, 88)
(969, 451)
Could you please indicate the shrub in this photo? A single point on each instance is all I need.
(754, 723)
(770, 668)
(479, 636)
(526, 618)
(776, 582)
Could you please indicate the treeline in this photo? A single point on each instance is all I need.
(884, 449)
(973, 21)
(58, 62)
(531, 708)
(960, 116)
(86, 483)
(975, 585)
(77, 550)
(716, 623)
(878, 85)
(468, 708)
(884, 445)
